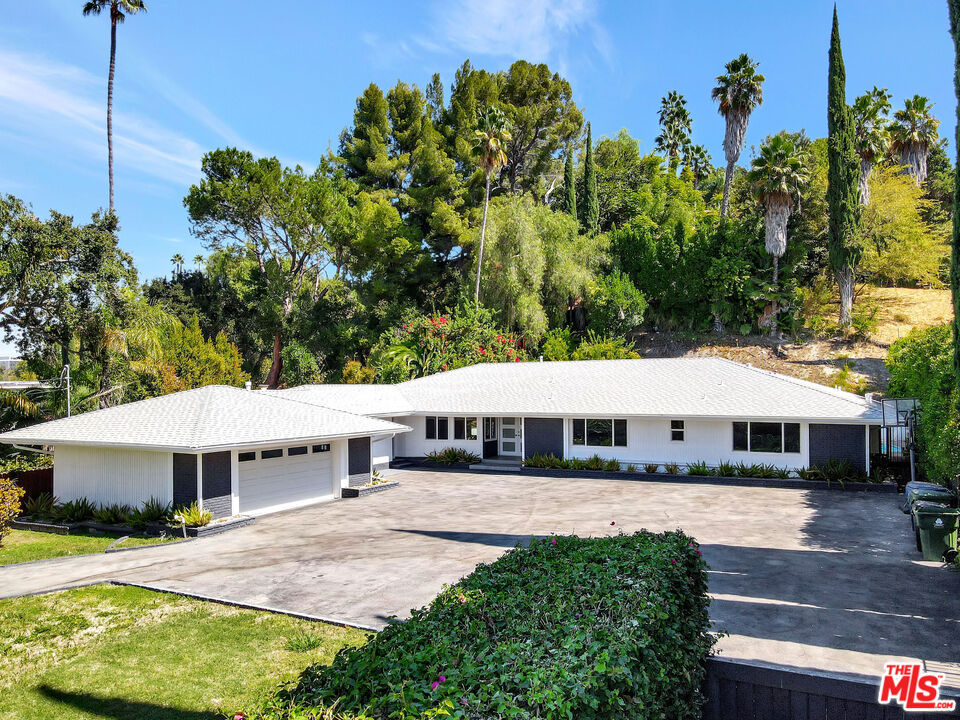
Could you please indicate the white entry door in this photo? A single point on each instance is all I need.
(510, 431)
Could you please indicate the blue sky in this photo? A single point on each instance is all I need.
(282, 79)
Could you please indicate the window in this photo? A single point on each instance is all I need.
(600, 432)
(489, 428)
(766, 437)
(443, 431)
(791, 437)
(431, 428)
(299, 450)
(246, 456)
(459, 428)
(740, 435)
(770, 437)
(270, 454)
(321, 448)
(677, 431)
(471, 428)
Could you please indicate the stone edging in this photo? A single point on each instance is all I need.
(361, 491)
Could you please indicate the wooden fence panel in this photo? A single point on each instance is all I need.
(35, 482)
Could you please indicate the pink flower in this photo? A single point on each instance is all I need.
(442, 678)
(434, 685)
(438, 682)
(699, 553)
(612, 522)
(462, 598)
(516, 359)
(673, 562)
(553, 542)
(239, 716)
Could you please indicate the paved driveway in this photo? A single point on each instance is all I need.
(818, 579)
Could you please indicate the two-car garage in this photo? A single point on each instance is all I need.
(280, 478)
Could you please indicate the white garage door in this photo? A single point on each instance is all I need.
(284, 478)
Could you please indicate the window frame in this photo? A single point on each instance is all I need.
(783, 437)
(321, 448)
(619, 429)
(274, 454)
(247, 456)
(678, 431)
(297, 450)
(459, 428)
(443, 427)
(430, 427)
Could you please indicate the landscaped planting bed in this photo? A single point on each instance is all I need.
(568, 627)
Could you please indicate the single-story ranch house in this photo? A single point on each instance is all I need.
(254, 452)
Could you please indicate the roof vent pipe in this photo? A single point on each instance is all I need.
(248, 385)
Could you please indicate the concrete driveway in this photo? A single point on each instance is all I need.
(809, 578)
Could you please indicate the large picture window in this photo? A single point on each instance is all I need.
(465, 428)
(766, 437)
(592, 432)
(437, 428)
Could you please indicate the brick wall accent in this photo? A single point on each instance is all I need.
(358, 461)
(184, 479)
(838, 442)
(216, 484)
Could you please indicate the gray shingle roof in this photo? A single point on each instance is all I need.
(669, 387)
(383, 400)
(215, 416)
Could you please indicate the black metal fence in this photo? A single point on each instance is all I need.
(738, 690)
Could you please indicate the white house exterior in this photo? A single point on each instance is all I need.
(253, 452)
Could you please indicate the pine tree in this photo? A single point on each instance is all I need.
(570, 185)
(591, 210)
(843, 178)
(954, 6)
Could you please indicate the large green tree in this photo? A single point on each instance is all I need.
(843, 180)
(591, 204)
(737, 92)
(954, 7)
(870, 127)
(912, 133)
(119, 9)
(776, 177)
(288, 228)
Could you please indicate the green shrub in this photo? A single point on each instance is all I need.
(651, 468)
(758, 470)
(17, 463)
(304, 641)
(631, 468)
(74, 511)
(609, 627)
(672, 468)
(577, 464)
(112, 514)
(449, 456)
(595, 462)
(839, 471)
(192, 516)
(611, 465)
(699, 468)
(154, 511)
(729, 469)
(41, 507)
(10, 496)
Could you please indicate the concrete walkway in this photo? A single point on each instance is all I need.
(818, 579)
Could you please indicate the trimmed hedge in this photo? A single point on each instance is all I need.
(612, 627)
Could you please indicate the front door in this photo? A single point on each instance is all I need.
(510, 429)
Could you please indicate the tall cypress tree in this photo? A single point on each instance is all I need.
(954, 6)
(570, 186)
(842, 179)
(591, 210)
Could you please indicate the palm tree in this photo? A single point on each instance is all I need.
(198, 260)
(696, 159)
(870, 129)
(491, 135)
(177, 261)
(775, 178)
(118, 13)
(675, 121)
(912, 132)
(738, 92)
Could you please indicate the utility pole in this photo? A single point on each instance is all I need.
(65, 378)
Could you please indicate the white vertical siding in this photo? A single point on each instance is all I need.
(381, 450)
(415, 443)
(710, 441)
(110, 475)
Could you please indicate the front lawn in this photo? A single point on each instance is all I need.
(127, 653)
(24, 545)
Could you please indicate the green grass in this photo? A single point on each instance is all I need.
(132, 654)
(24, 545)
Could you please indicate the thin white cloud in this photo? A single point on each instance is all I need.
(535, 30)
(63, 107)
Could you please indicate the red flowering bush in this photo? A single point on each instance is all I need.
(427, 344)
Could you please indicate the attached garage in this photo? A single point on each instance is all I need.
(282, 478)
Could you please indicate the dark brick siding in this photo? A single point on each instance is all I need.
(358, 460)
(838, 442)
(184, 479)
(543, 436)
(216, 484)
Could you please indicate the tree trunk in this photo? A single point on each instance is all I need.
(276, 366)
(113, 67)
(727, 182)
(866, 167)
(774, 330)
(483, 232)
(845, 281)
(914, 157)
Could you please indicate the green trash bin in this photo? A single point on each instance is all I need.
(936, 529)
(927, 492)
